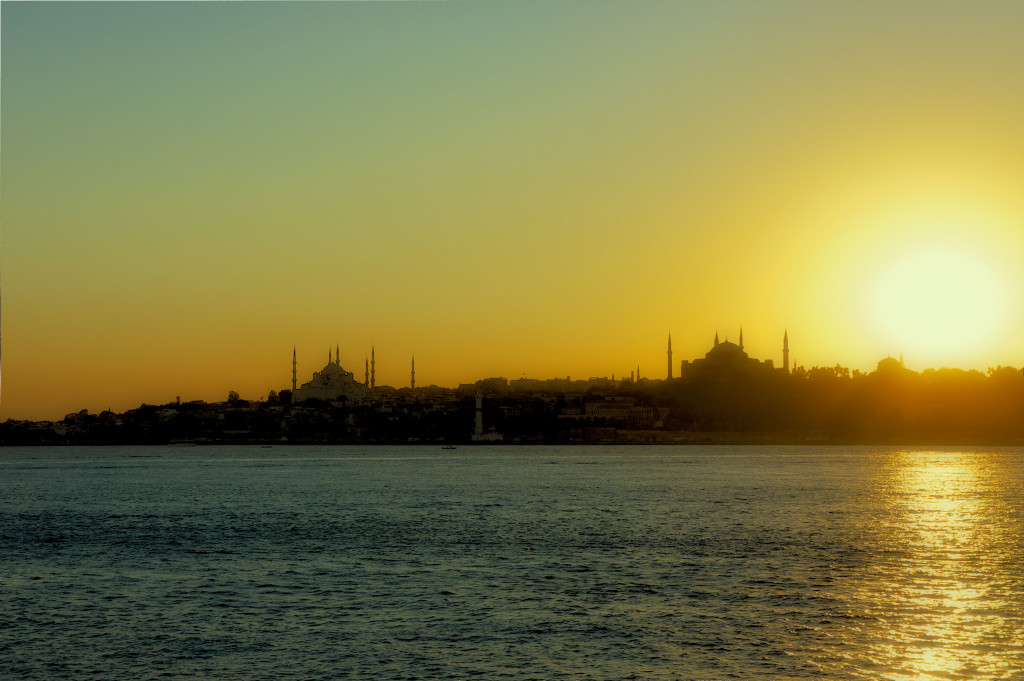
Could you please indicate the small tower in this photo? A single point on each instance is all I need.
(373, 369)
(294, 372)
(785, 350)
(741, 336)
(670, 356)
(412, 374)
(366, 380)
(337, 354)
(478, 429)
(716, 339)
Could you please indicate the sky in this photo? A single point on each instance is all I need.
(190, 190)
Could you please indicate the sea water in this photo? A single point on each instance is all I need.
(511, 563)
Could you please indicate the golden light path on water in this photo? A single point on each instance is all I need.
(944, 594)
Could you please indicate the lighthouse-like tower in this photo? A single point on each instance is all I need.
(785, 350)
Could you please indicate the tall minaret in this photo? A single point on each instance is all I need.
(366, 380)
(412, 375)
(716, 339)
(294, 372)
(741, 336)
(670, 356)
(478, 426)
(785, 350)
(337, 354)
(373, 369)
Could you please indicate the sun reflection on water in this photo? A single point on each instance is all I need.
(944, 588)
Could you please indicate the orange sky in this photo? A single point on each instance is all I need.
(501, 189)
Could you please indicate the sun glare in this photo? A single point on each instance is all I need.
(937, 302)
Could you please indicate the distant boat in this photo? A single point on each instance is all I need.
(449, 447)
(181, 443)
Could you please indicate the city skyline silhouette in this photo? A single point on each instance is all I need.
(726, 396)
(190, 190)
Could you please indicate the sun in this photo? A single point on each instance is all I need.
(940, 303)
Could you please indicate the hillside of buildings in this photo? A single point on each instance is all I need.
(745, 402)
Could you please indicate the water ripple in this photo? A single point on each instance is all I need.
(396, 564)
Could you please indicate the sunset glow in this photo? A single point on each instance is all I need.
(939, 303)
(190, 190)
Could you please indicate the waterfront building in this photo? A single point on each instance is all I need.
(479, 434)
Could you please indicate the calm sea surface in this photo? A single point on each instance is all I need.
(511, 563)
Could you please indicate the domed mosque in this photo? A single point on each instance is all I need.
(332, 383)
(726, 358)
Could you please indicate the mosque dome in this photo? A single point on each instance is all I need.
(333, 369)
(889, 365)
(726, 350)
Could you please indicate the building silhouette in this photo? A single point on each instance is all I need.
(331, 383)
(726, 359)
(479, 434)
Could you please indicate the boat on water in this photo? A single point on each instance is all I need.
(449, 447)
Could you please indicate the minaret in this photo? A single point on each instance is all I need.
(373, 369)
(716, 339)
(337, 354)
(670, 356)
(741, 336)
(478, 427)
(412, 375)
(294, 372)
(366, 380)
(785, 350)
